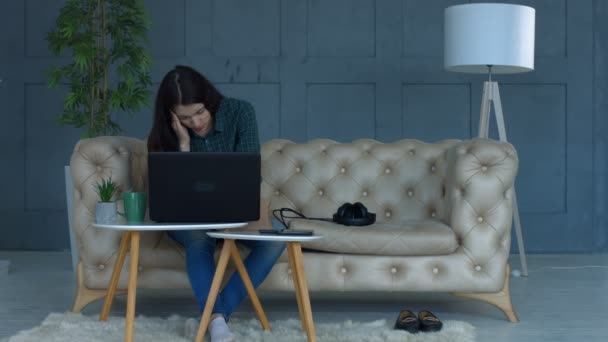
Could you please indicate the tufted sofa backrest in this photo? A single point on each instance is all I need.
(398, 181)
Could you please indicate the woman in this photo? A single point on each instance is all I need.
(191, 115)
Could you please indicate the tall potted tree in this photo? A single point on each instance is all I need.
(106, 38)
(108, 72)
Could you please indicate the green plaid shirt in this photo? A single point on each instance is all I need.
(235, 130)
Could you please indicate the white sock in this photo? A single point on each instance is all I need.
(219, 330)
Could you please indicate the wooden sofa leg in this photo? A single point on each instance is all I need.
(84, 295)
(500, 299)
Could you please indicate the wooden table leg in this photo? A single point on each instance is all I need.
(134, 258)
(120, 261)
(296, 249)
(240, 267)
(213, 292)
(296, 286)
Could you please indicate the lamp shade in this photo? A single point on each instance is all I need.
(478, 35)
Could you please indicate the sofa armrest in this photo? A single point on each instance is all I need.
(481, 175)
(93, 160)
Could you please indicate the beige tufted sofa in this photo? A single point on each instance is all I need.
(444, 213)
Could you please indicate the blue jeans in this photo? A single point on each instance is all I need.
(200, 266)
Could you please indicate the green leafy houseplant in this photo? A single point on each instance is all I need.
(87, 27)
(106, 189)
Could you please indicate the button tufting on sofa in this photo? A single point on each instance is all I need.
(101, 266)
(504, 242)
(477, 268)
(435, 270)
(77, 194)
(393, 270)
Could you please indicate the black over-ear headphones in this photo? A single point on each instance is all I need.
(354, 215)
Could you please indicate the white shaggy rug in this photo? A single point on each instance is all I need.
(60, 327)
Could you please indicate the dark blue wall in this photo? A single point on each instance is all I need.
(340, 69)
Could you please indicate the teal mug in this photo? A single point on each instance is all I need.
(134, 206)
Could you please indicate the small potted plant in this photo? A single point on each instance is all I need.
(105, 209)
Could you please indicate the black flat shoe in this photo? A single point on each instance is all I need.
(429, 322)
(407, 321)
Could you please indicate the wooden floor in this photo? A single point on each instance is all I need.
(568, 304)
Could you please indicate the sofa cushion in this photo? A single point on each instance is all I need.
(408, 238)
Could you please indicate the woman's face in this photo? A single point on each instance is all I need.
(194, 116)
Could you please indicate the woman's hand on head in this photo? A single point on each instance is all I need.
(181, 132)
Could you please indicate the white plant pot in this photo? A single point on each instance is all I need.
(105, 212)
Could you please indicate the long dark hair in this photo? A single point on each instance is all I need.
(182, 85)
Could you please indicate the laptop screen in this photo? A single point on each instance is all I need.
(204, 187)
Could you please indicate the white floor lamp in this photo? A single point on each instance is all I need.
(492, 39)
